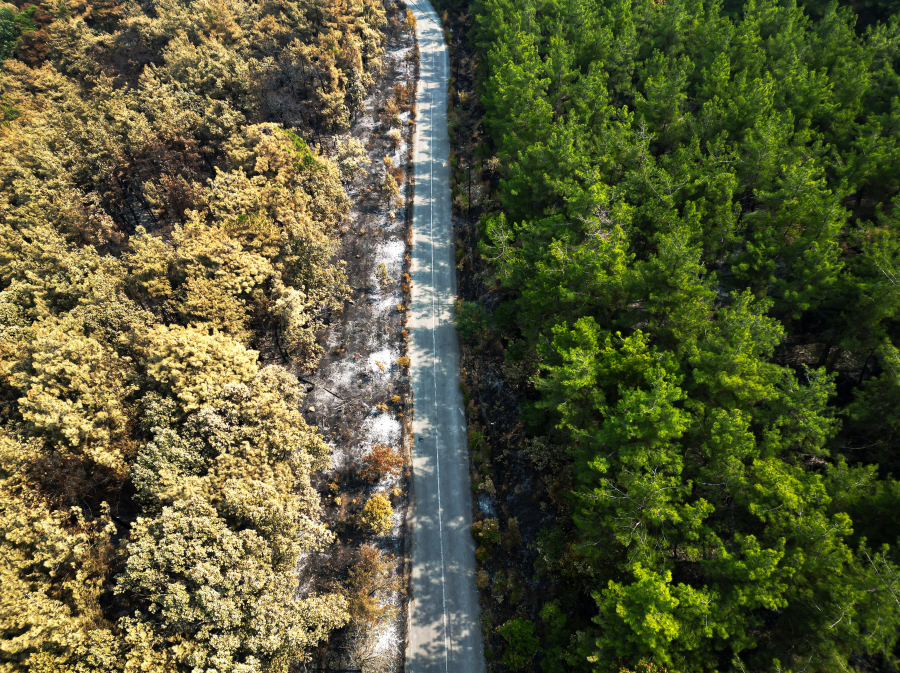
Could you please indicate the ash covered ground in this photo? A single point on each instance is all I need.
(359, 397)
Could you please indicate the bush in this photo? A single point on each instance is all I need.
(476, 440)
(472, 319)
(487, 531)
(513, 535)
(391, 190)
(376, 514)
(380, 462)
(384, 278)
(351, 156)
(410, 22)
(521, 643)
(488, 484)
(542, 453)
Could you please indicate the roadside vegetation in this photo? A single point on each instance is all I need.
(169, 218)
(679, 238)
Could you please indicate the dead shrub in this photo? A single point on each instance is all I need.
(390, 113)
(371, 585)
(371, 581)
(384, 278)
(380, 462)
(398, 174)
(513, 537)
(404, 94)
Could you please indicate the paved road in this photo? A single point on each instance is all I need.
(445, 632)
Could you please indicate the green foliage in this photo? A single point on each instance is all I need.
(521, 643)
(694, 196)
(351, 156)
(513, 537)
(195, 367)
(477, 441)
(391, 190)
(60, 560)
(872, 413)
(75, 394)
(12, 25)
(486, 531)
(305, 157)
(472, 319)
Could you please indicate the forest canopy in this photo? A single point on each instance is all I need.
(166, 214)
(694, 224)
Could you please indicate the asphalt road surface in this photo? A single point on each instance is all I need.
(444, 633)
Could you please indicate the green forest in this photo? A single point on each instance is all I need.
(167, 223)
(693, 223)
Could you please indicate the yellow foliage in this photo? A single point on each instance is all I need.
(194, 366)
(75, 394)
(376, 514)
(224, 589)
(156, 215)
(53, 569)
